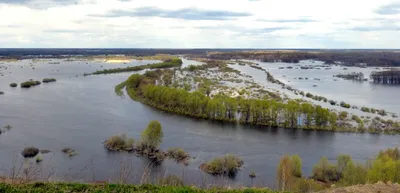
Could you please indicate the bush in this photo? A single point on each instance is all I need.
(365, 109)
(13, 84)
(354, 174)
(324, 171)
(228, 164)
(1, 92)
(178, 154)
(30, 83)
(70, 152)
(343, 115)
(119, 142)
(332, 102)
(309, 95)
(171, 180)
(152, 136)
(306, 185)
(345, 105)
(30, 152)
(47, 80)
(252, 175)
(382, 112)
(39, 159)
(296, 165)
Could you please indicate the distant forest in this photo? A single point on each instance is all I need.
(345, 57)
(349, 58)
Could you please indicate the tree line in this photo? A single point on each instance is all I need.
(173, 62)
(268, 112)
(350, 58)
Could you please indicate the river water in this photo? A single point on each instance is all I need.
(81, 112)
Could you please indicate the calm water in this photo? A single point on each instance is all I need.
(81, 112)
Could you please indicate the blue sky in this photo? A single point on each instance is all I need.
(200, 23)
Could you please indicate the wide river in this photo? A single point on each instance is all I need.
(81, 112)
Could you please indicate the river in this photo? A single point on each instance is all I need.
(81, 112)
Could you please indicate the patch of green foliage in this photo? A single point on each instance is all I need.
(118, 88)
(177, 153)
(345, 105)
(47, 80)
(227, 164)
(30, 83)
(13, 84)
(119, 142)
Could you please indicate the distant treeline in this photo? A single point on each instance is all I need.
(174, 62)
(350, 58)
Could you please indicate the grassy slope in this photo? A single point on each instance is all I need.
(74, 187)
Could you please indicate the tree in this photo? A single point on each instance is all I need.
(354, 174)
(297, 163)
(342, 163)
(285, 172)
(152, 136)
(383, 169)
(324, 171)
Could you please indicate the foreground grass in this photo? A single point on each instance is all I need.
(74, 187)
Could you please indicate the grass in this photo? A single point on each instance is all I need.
(40, 187)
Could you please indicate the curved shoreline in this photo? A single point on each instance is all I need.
(133, 93)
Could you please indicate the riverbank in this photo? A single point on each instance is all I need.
(197, 92)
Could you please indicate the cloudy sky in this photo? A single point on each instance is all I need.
(200, 23)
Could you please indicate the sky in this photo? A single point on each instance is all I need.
(325, 24)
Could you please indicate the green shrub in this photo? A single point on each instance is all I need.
(30, 152)
(30, 83)
(365, 109)
(296, 165)
(343, 115)
(354, 174)
(39, 159)
(1, 92)
(345, 105)
(309, 95)
(13, 84)
(119, 142)
(228, 164)
(47, 80)
(324, 171)
(306, 185)
(177, 153)
(153, 135)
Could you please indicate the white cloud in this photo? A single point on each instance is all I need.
(205, 24)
